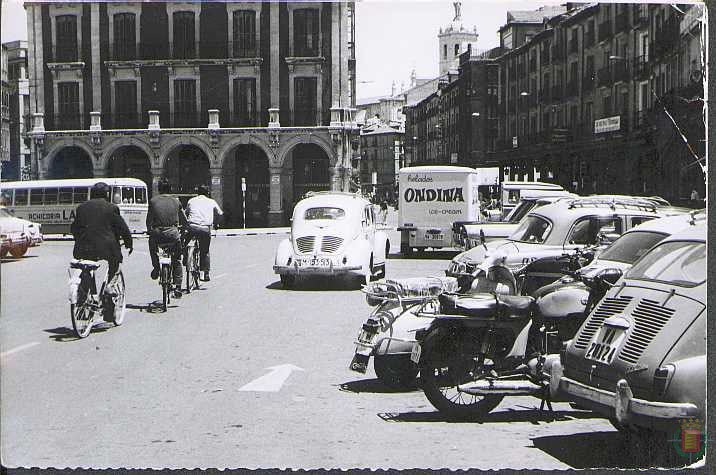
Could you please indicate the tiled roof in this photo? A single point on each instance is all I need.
(535, 16)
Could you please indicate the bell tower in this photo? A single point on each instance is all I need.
(453, 41)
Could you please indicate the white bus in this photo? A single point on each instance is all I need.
(52, 203)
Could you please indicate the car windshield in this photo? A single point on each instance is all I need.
(5, 213)
(520, 211)
(533, 229)
(631, 246)
(677, 262)
(324, 212)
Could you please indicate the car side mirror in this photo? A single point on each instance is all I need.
(610, 275)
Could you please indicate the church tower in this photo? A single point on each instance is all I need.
(453, 41)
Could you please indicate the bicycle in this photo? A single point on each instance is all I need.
(86, 303)
(166, 273)
(191, 261)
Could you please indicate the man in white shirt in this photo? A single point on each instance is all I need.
(200, 214)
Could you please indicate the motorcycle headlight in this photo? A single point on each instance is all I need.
(662, 377)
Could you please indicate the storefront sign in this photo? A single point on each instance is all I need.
(608, 124)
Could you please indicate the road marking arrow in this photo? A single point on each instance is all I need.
(273, 381)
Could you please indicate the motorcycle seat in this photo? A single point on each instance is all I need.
(478, 306)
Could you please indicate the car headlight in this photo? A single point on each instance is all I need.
(662, 378)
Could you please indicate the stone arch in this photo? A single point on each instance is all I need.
(244, 139)
(115, 145)
(64, 143)
(168, 147)
(286, 147)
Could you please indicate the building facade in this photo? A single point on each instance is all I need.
(594, 97)
(216, 93)
(4, 109)
(19, 108)
(381, 158)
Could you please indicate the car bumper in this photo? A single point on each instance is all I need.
(327, 270)
(622, 406)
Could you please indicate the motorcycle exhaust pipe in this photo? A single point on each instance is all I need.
(503, 387)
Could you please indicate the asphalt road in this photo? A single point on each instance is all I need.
(164, 389)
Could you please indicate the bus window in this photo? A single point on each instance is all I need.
(50, 196)
(20, 197)
(66, 196)
(127, 195)
(140, 195)
(80, 194)
(36, 196)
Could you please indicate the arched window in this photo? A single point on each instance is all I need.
(445, 51)
(457, 49)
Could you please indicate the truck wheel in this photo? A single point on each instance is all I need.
(288, 281)
(18, 251)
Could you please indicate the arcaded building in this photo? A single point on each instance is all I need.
(215, 93)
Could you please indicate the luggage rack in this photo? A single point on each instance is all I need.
(408, 291)
(613, 203)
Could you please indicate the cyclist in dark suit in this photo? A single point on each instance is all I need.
(97, 229)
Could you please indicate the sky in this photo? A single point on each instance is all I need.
(393, 37)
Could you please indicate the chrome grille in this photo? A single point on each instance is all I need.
(330, 244)
(305, 244)
(608, 307)
(649, 318)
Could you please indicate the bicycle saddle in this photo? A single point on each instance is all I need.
(84, 264)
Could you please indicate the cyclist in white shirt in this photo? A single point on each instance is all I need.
(200, 214)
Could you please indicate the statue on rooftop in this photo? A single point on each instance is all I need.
(457, 6)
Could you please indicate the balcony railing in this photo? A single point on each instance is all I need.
(604, 76)
(124, 121)
(67, 122)
(605, 30)
(620, 70)
(199, 50)
(544, 57)
(186, 120)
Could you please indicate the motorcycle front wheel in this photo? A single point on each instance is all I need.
(443, 368)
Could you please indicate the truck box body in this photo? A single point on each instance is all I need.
(432, 198)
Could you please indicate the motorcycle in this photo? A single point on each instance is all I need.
(480, 348)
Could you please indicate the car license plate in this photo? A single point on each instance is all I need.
(314, 262)
(604, 347)
(415, 354)
(433, 237)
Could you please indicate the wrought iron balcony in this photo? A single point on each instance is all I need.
(641, 67)
(67, 122)
(604, 76)
(620, 69)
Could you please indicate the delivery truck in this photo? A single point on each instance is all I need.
(432, 198)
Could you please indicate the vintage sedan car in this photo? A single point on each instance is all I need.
(332, 233)
(563, 226)
(17, 235)
(640, 357)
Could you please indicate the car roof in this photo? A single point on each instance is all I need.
(697, 232)
(337, 198)
(437, 169)
(535, 185)
(670, 224)
(587, 205)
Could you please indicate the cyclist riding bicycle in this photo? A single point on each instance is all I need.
(164, 217)
(97, 228)
(200, 214)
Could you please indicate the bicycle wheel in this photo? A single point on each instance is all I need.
(195, 266)
(119, 302)
(81, 312)
(166, 286)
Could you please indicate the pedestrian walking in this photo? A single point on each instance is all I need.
(694, 198)
(384, 212)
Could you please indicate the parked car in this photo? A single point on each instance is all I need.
(332, 233)
(16, 235)
(563, 226)
(640, 357)
(467, 234)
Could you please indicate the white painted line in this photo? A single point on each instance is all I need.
(18, 348)
(220, 276)
(250, 266)
(273, 381)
